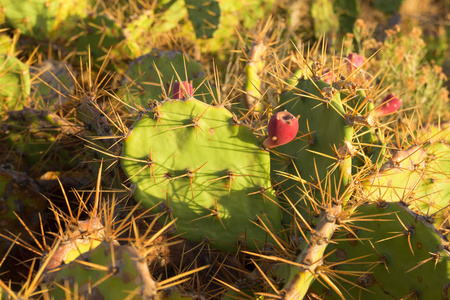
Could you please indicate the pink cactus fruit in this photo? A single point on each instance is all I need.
(282, 128)
(327, 76)
(354, 61)
(181, 90)
(389, 105)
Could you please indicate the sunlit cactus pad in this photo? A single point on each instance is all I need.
(419, 176)
(197, 164)
(15, 82)
(107, 272)
(42, 19)
(314, 154)
(390, 253)
(149, 75)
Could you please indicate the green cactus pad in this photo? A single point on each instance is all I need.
(359, 113)
(99, 33)
(36, 137)
(143, 83)
(418, 176)
(171, 14)
(15, 83)
(6, 44)
(32, 17)
(41, 18)
(325, 20)
(322, 132)
(395, 254)
(204, 15)
(107, 272)
(190, 160)
(348, 11)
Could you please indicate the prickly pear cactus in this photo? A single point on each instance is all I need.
(15, 82)
(360, 114)
(198, 164)
(325, 20)
(391, 251)
(41, 18)
(6, 44)
(147, 73)
(107, 272)
(418, 176)
(80, 237)
(99, 34)
(36, 137)
(204, 15)
(324, 146)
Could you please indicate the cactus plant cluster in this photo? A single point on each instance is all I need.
(135, 168)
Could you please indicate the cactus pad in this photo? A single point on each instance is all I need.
(418, 176)
(314, 155)
(110, 272)
(392, 252)
(205, 16)
(194, 162)
(15, 83)
(143, 81)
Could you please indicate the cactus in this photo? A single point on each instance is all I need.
(417, 176)
(79, 238)
(389, 250)
(260, 203)
(325, 20)
(150, 75)
(389, 105)
(106, 266)
(301, 274)
(100, 34)
(253, 86)
(324, 146)
(205, 17)
(7, 44)
(38, 138)
(197, 163)
(282, 129)
(15, 82)
(348, 12)
(42, 19)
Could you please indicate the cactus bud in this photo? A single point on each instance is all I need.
(389, 105)
(354, 62)
(328, 77)
(181, 90)
(282, 129)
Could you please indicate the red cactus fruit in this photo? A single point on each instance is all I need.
(354, 62)
(282, 129)
(389, 105)
(181, 90)
(328, 77)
